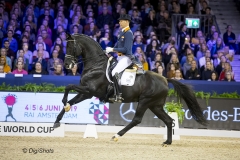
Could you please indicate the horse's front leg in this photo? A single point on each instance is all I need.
(68, 88)
(83, 94)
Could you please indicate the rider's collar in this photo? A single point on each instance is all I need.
(125, 29)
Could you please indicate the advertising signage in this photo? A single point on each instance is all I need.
(220, 114)
(45, 107)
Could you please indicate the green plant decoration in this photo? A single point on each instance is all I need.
(175, 107)
(48, 87)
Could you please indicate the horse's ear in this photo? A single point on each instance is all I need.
(68, 36)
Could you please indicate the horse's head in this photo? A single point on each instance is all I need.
(74, 50)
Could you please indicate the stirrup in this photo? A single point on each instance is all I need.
(116, 98)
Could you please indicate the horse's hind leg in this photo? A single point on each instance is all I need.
(162, 115)
(141, 109)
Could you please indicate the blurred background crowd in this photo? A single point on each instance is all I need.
(33, 36)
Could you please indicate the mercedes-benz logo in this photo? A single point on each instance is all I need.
(130, 110)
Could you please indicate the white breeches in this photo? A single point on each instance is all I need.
(123, 63)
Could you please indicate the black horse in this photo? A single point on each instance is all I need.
(149, 90)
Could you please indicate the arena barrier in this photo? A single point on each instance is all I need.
(222, 114)
(198, 85)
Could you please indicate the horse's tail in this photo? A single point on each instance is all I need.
(187, 94)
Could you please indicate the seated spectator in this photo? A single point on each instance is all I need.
(160, 71)
(64, 42)
(137, 43)
(20, 69)
(92, 29)
(150, 22)
(58, 70)
(41, 60)
(227, 68)
(213, 40)
(229, 38)
(59, 49)
(188, 64)
(178, 75)
(202, 50)
(76, 22)
(46, 39)
(158, 57)
(40, 51)
(9, 52)
(52, 63)
(202, 61)
(171, 71)
(210, 34)
(25, 62)
(74, 71)
(144, 62)
(40, 40)
(3, 54)
(152, 36)
(214, 76)
(13, 42)
(26, 53)
(1, 68)
(184, 58)
(168, 54)
(38, 69)
(153, 49)
(104, 18)
(221, 65)
(136, 21)
(57, 41)
(217, 60)
(106, 41)
(229, 77)
(157, 63)
(207, 73)
(3, 62)
(87, 25)
(46, 27)
(193, 73)
(216, 47)
(171, 42)
(164, 27)
(228, 53)
(174, 60)
(138, 52)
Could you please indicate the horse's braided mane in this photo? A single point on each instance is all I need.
(90, 39)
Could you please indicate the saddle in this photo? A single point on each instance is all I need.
(126, 77)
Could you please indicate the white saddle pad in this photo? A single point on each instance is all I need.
(128, 77)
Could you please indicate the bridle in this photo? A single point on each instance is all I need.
(73, 57)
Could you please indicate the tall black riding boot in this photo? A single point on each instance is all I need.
(118, 95)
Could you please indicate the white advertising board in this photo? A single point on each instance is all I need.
(31, 129)
(45, 107)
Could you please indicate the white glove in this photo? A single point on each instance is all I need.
(109, 49)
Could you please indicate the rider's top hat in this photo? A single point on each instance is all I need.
(124, 17)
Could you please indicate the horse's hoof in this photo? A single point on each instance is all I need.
(56, 125)
(67, 107)
(114, 139)
(164, 145)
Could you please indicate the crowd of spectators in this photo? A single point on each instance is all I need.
(33, 36)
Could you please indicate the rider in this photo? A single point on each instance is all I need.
(123, 48)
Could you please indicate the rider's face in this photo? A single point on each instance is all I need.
(123, 23)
